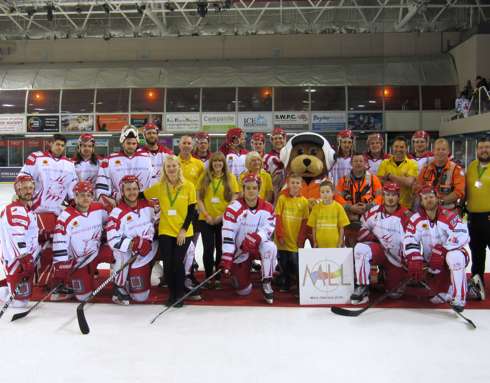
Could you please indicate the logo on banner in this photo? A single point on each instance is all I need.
(291, 117)
(255, 122)
(325, 276)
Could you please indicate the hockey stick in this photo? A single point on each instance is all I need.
(468, 321)
(10, 299)
(82, 321)
(355, 313)
(185, 296)
(25, 313)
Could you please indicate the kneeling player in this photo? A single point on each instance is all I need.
(130, 230)
(248, 225)
(437, 236)
(380, 243)
(77, 246)
(19, 244)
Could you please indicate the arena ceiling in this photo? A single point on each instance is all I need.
(60, 19)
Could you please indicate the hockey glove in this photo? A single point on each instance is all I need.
(437, 257)
(141, 246)
(251, 243)
(226, 263)
(415, 263)
(61, 270)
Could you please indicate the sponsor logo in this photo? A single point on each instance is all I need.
(325, 276)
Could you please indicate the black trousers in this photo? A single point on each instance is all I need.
(288, 261)
(479, 229)
(173, 264)
(211, 240)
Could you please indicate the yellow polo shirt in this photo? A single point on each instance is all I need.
(173, 206)
(265, 183)
(292, 211)
(327, 221)
(192, 169)
(214, 198)
(478, 188)
(408, 168)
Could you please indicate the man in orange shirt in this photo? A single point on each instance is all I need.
(445, 176)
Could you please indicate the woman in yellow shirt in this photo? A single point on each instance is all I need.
(254, 163)
(177, 198)
(217, 187)
(328, 219)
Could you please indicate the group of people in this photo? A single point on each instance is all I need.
(143, 205)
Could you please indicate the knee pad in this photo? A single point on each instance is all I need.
(81, 281)
(139, 279)
(240, 277)
(361, 250)
(268, 249)
(456, 260)
(140, 297)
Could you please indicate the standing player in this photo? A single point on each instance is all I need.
(155, 150)
(19, 244)
(380, 243)
(421, 153)
(375, 153)
(342, 165)
(201, 150)
(130, 231)
(248, 225)
(85, 159)
(273, 163)
(77, 243)
(233, 151)
(128, 161)
(258, 143)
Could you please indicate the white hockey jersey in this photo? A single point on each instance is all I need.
(373, 163)
(423, 234)
(423, 160)
(340, 168)
(275, 167)
(54, 179)
(236, 163)
(157, 158)
(77, 235)
(116, 166)
(239, 220)
(126, 223)
(87, 171)
(389, 230)
(18, 234)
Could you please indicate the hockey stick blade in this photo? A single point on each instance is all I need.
(82, 321)
(27, 312)
(347, 313)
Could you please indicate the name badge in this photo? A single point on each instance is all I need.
(478, 184)
(171, 212)
(215, 200)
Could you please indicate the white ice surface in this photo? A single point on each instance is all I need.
(242, 344)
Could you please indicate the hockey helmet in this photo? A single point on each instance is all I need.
(86, 137)
(201, 136)
(421, 134)
(129, 179)
(232, 134)
(249, 177)
(347, 133)
(83, 186)
(129, 131)
(391, 187)
(21, 179)
(258, 137)
(150, 126)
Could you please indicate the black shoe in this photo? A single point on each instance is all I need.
(360, 295)
(62, 293)
(169, 302)
(285, 287)
(179, 305)
(189, 285)
(476, 289)
(120, 296)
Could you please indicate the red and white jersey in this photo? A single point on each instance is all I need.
(389, 230)
(273, 164)
(54, 179)
(239, 220)
(447, 229)
(18, 234)
(77, 235)
(87, 170)
(236, 163)
(116, 166)
(157, 158)
(373, 163)
(126, 223)
(422, 160)
(340, 168)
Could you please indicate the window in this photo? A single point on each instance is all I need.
(254, 99)
(43, 101)
(112, 100)
(147, 100)
(3, 153)
(327, 98)
(218, 99)
(16, 152)
(401, 97)
(12, 101)
(365, 98)
(291, 98)
(438, 97)
(183, 100)
(34, 145)
(77, 101)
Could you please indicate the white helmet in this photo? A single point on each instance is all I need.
(127, 132)
(308, 137)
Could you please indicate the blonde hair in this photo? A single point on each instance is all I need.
(251, 156)
(180, 175)
(209, 173)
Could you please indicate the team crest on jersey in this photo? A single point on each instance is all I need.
(425, 226)
(45, 162)
(129, 218)
(117, 162)
(75, 223)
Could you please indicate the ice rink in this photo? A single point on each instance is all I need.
(241, 344)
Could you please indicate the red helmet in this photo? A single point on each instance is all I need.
(421, 134)
(258, 137)
(129, 179)
(86, 137)
(232, 134)
(375, 136)
(83, 186)
(347, 133)
(150, 126)
(22, 178)
(201, 136)
(391, 187)
(427, 189)
(277, 131)
(251, 178)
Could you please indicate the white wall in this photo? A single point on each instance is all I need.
(473, 124)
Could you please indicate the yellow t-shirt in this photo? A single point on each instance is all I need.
(265, 183)
(478, 188)
(292, 211)
(327, 220)
(408, 168)
(214, 200)
(173, 206)
(192, 169)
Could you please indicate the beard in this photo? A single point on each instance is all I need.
(483, 158)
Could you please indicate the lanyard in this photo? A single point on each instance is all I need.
(172, 200)
(481, 170)
(215, 189)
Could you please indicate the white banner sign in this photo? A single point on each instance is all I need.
(12, 123)
(182, 122)
(326, 276)
(255, 121)
(326, 121)
(218, 122)
(292, 120)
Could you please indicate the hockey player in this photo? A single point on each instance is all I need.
(77, 246)
(380, 243)
(437, 237)
(85, 159)
(375, 153)
(201, 149)
(342, 165)
(273, 163)
(258, 143)
(19, 244)
(130, 230)
(420, 151)
(233, 151)
(129, 161)
(155, 150)
(248, 225)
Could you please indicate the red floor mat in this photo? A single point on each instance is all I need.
(227, 297)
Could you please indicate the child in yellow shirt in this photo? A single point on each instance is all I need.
(328, 219)
(292, 214)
